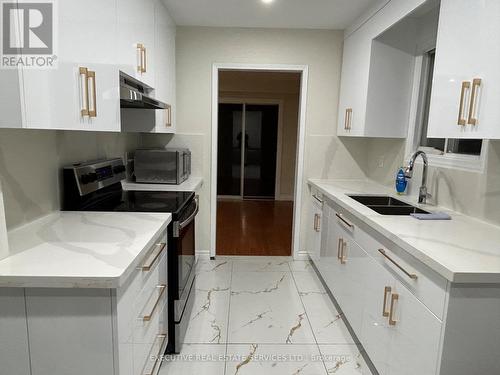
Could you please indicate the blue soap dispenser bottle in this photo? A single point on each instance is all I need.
(401, 181)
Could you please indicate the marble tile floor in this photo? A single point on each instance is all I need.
(264, 315)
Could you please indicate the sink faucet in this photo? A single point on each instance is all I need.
(422, 194)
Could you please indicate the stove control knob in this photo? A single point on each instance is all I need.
(89, 178)
(119, 169)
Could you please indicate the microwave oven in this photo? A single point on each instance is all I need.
(162, 165)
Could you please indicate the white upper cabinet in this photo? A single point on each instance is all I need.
(10, 90)
(466, 92)
(136, 39)
(371, 78)
(164, 68)
(82, 92)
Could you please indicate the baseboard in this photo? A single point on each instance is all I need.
(203, 254)
(302, 255)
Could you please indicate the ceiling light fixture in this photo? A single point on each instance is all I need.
(267, 1)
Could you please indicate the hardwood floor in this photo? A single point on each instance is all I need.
(254, 227)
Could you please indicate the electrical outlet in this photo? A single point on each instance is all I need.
(381, 161)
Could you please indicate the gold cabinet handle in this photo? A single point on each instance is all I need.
(340, 243)
(162, 339)
(317, 222)
(461, 120)
(394, 298)
(410, 275)
(347, 119)
(147, 317)
(84, 73)
(168, 116)
(153, 256)
(387, 291)
(91, 77)
(339, 216)
(140, 66)
(343, 256)
(144, 60)
(476, 83)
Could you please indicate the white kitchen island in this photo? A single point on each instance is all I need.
(85, 293)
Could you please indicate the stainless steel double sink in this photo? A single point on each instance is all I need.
(387, 205)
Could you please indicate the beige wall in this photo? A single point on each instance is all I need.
(198, 48)
(31, 161)
(283, 87)
(473, 193)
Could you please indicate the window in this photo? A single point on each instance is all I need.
(466, 154)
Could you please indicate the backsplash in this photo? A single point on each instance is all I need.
(31, 161)
(469, 192)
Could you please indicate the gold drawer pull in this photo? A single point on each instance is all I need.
(317, 222)
(162, 338)
(476, 83)
(153, 256)
(340, 243)
(387, 291)
(394, 298)
(84, 73)
(339, 216)
(343, 257)
(147, 318)
(410, 275)
(91, 77)
(140, 66)
(349, 117)
(461, 120)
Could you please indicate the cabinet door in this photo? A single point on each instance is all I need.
(354, 84)
(55, 98)
(415, 335)
(135, 29)
(14, 355)
(164, 68)
(327, 264)
(10, 92)
(314, 228)
(71, 331)
(467, 49)
(350, 280)
(375, 333)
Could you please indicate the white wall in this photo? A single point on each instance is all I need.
(198, 48)
(31, 161)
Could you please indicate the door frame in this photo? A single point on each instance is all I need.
(279, 144)
(301, 136)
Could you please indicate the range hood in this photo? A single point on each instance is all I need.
(135, 94)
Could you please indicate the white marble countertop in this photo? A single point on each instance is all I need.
(463, 249)
(80, 249)
(191, 184)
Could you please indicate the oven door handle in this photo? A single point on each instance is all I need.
(186, 222)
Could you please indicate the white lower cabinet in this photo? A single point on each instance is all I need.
(14, 352)
(315, 222)
(399, 333)
(98, 331)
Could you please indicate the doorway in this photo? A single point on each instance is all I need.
(257, 132)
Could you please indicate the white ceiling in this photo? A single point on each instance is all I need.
(296, 14)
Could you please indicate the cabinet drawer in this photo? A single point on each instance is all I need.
(428, 286)
(148, 352)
